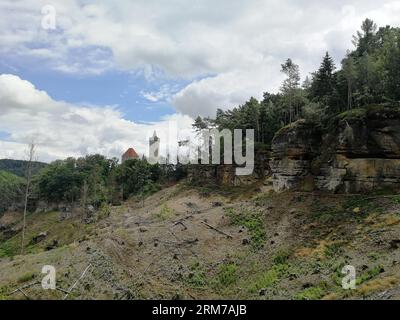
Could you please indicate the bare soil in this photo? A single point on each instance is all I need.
(204, 243)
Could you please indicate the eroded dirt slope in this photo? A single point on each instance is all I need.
(193, 243)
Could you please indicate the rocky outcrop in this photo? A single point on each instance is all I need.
(359, 152)
(226, 174)
(216, 175)
(293, 151)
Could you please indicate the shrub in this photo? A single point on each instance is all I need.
(282, 256)
(269, 277)
(253, 222)
(165, 213)
(227, 274)
(312, 293)
(26, 277)
(197, 276)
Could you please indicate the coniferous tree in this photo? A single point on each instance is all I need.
(322, 87)
(369, 74)
(199, 124)
(365, 40)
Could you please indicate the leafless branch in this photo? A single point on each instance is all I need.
(76, 282)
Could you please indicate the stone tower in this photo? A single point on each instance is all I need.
(154, 146)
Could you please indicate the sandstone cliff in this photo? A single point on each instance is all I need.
(360, 151)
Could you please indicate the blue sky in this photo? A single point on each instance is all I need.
(112, 88)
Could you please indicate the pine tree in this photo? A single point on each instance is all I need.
(250, 116)
(199, 124)
(365, 40)
(322, 87)
(307, 83)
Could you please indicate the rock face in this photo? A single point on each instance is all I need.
(360, 152)
(293, 151)
(217, 174)
(226, 174)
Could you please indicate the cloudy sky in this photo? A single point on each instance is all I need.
(113, 71)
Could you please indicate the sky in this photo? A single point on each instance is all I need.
(112, 72)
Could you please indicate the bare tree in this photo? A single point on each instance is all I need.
(31, 155)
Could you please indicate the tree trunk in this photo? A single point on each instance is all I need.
(32, 149)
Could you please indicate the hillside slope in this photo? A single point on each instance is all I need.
(18, 167)
(194, 243)
(11, 187)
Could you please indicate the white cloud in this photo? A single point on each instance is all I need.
(164, 93)
(62, 129)
(235, 46)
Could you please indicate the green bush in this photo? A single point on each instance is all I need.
(312, 293)
(282, 256)
(227, 274)
(254, 222)
(269, 277)
(26, 277)
(369, 274)
(197, 276)
(165, 213)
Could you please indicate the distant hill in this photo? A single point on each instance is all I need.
(18, 167)
(11, 189)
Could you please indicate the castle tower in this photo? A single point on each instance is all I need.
(154, 147)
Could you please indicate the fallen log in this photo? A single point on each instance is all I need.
(217, 230)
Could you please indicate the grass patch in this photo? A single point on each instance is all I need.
(324, 249)
(65, 232)
(355, 209)
(253, 221)
(396, 200)
(26, 277)
(313, 293)
(262, 200)
(269, 278)
(231, 192)
(374, 256)
(370, 274)
(282, 256)
(197, 277)
(8, 250)
(383, 221)
(227, 274)
(330, 215)
(362, 282)
(377, 285)
(366, 205)
(333, 250)
(353, 114)
(165, 213)
(3, 293)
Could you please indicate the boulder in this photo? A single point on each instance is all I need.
(39, 238)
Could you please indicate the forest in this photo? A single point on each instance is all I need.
(368, 75)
